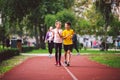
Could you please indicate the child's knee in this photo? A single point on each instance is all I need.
(68, 51)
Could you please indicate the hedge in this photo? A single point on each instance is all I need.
(8, 53)
(26, 49)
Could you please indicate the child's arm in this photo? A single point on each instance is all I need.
(60, 34)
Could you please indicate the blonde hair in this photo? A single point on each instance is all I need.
(50, 28)
(57, 22)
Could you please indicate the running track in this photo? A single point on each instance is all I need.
(43, 68)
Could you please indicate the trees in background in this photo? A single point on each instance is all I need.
(33, 17)
(95, 14)
(110, 20)
(83, 27)
(114, 29)
(18, 15)
(63, 16)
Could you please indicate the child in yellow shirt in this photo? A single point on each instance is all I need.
(67, 35)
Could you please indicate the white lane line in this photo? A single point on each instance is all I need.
(70, 73)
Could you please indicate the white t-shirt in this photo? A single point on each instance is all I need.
(57, 38)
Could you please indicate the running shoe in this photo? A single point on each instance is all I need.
(59, 65)
(56, 63)
(78, 54)
(65, 62)
(50, 56)
(68, 64)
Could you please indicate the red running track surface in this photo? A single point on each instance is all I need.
(43, 68)
(84, 69)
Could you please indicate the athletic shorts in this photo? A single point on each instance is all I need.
(68, 47)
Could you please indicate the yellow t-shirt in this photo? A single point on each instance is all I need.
(67, 35)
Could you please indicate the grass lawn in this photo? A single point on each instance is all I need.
(111, 60)
(10, 63)
(89, 51)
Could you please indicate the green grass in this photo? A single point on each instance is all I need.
(89, 51)
(112, 60)
(10, 63)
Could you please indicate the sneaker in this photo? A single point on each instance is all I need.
(68, 64)
(65, 62)
(50, 56)
(78, 54)
(56, 63)
(59, 64)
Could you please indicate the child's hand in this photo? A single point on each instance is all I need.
(68, 35)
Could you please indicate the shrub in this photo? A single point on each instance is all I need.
(27, 49)
(8, 53)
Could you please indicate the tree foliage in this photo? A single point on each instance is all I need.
(14, 14)
(63, 16)
(50, 20)
(112, 21)
(83, 27)
(115, 28)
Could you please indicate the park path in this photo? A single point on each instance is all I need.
(43, 68)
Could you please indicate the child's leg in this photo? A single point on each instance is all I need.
(65, 56)
(49, 47)
(60, 48)
(56, 53)
(52, 46)
(68, 56)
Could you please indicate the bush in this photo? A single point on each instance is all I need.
(27, 49)
(8, 53)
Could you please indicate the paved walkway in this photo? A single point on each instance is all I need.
(43, 68)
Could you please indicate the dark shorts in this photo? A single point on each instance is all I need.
(68, 47)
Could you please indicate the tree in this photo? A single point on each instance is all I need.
(66, 15)
(16, 10)
(83, 27)
(109, 18)
(50, 20)
(2, 36)
(115, 28)
(63, 16)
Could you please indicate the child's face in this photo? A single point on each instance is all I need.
(58, 25)
(51, 28)
(67, 26)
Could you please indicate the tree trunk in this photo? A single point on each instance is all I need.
(36, 36)
(42, 32)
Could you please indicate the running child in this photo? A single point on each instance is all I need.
(57, 32)
(67, 42)
(49, 39)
